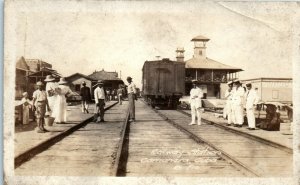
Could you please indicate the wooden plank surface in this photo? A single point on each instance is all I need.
(89, 151)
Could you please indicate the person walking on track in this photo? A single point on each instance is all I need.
(40, 102)
(85, 93)
(195, 101)
(99, 94)
(131, 90)
(251, 101)
(237, 103)
(50, 90)
(228, 110)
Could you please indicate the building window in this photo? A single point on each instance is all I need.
(275, 94)
(77, 87)
(200, 52)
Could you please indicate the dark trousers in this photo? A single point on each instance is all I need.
(131, 99)
(100, 109)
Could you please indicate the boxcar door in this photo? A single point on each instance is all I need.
(162, 80)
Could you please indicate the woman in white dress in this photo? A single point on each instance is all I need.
(60, 106)
(50, 90)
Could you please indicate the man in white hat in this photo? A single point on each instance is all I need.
(251, 101)
(237, 103)
(40, 103)
(195, 101)
(131, 90)
(99, 94)
(85, 94)
(50, 90)
(228, 111)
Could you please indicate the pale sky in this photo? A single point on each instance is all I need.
(120, 36)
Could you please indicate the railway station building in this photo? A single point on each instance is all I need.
(212, 75)
(111, 80)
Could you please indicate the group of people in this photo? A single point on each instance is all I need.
(51, 101)
(237, 98)
(113, 94)
(100, 99)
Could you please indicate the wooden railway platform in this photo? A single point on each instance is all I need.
(89, 151)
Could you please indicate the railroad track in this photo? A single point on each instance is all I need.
(260, 157)
(256, 138)
(159, 143)
(154, 147)
(91, 149)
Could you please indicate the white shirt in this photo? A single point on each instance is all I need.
(237, 96)
(39, 95)
(131, 88)
(195, 95)
(251, 98)
(99, 94)
(228, 95)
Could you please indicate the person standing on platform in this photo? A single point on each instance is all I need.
(99, 94)
(60, 106)
(50, 90)
(120, 94)
(237, 103)
(85, 93)
(228, 108)
(251, 101)
(26, 105)
(131, 90)
(107, 94)
(40, 102)
(195, 101)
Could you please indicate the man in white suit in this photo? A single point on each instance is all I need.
(195, 101)
(251, 102)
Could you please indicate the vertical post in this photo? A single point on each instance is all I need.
(196, 74)
(212, 75)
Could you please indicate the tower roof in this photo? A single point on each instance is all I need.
(200, 38)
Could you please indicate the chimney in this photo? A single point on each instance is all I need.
(180, 54)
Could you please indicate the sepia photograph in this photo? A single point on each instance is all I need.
(148, 92)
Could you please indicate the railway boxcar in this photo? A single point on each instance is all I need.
(163, 82)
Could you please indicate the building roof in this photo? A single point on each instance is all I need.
(21, 64)
(44, 72)
(200, 38)
(268, 79)
(79, 74)
(104, 75)
(207, 63)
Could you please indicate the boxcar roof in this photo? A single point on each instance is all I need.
(207, 63)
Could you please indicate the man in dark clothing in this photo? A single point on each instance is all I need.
(85, 94)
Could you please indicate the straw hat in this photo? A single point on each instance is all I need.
(236, 81)
(49, 78)
(100, 82)
(194, 81)
(230, 82)
(39, 83)
(62, 81)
